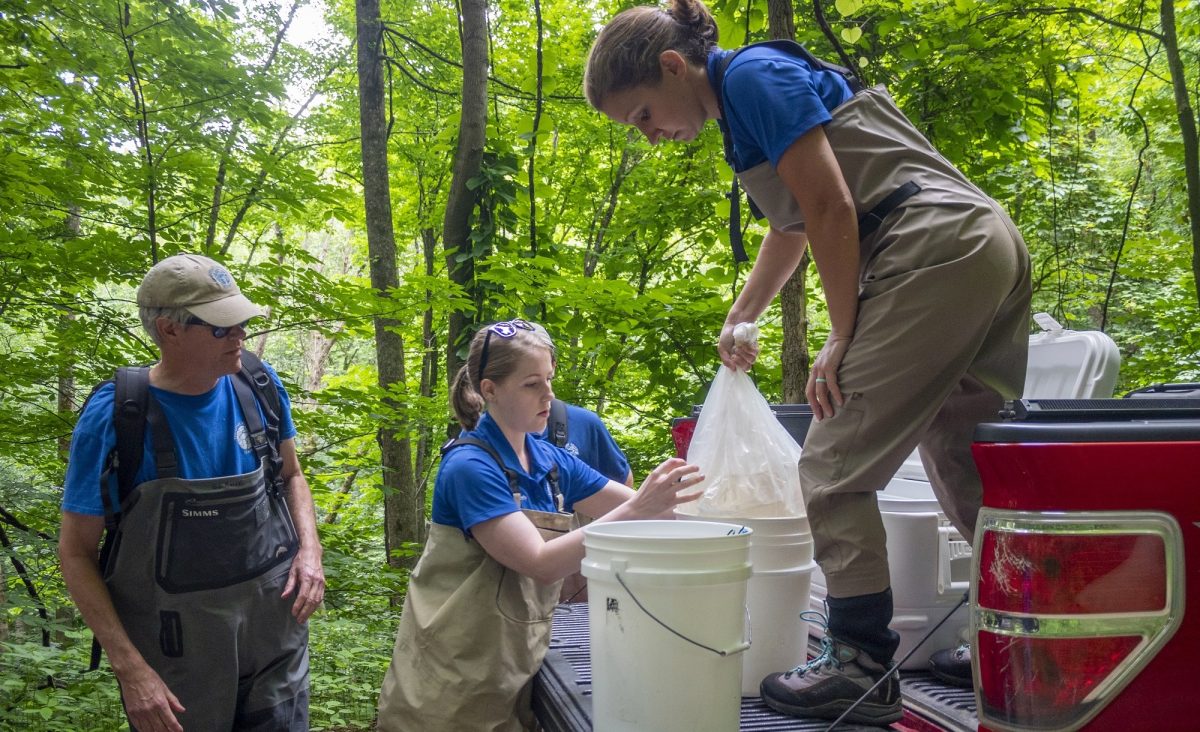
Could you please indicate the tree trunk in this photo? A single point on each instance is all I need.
(537, 118)
(1187, 131)
(468, 156)
(429, 358)
(404, 503)
(66, 370)
(793, 298)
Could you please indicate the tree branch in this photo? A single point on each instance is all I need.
(1073, 10)
(14, 522)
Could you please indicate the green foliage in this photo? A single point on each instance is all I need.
(48, 688)
(107, 163)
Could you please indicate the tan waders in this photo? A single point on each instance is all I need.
(472, 636)
(940, 340)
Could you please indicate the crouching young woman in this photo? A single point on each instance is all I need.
(477, 617)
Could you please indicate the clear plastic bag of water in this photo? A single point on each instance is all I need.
(750, 462)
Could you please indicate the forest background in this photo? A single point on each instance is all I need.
(490, 190)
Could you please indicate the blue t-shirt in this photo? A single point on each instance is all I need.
(770, 99)
(211, 440)
(589, 440)
(471, 488)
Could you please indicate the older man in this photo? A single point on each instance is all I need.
(212, 564)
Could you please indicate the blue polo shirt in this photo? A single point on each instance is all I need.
(210, 434)
(770, 99)
(471, 488)
(590, 441)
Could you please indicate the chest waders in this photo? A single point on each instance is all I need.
(473, 633)
(196, 568)
(940, 338)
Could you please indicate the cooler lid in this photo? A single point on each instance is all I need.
(1070, 364)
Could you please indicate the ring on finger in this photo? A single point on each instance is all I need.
(820, 379)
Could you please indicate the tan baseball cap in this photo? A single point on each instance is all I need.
(199, 284)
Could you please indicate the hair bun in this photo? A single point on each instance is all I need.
(695, 16)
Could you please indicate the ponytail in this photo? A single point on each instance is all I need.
(465, 399)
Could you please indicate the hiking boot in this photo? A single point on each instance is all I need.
(953, 665)
(829, 684)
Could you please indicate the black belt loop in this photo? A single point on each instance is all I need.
(870, 221)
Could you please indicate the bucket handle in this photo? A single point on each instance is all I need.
(744, 645)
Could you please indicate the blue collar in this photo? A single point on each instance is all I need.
(535, 449)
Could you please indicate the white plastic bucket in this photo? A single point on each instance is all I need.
(781, 554)
(667, 619)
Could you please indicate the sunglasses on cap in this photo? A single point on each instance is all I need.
(504, 329)
(218, 331)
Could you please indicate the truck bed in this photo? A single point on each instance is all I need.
(563, 702)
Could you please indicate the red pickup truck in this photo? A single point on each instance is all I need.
(1086, 558)
(1080, 570)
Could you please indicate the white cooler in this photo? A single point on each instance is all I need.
(930, 562)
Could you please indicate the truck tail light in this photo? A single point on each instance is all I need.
(682, 430)
(1067, 608)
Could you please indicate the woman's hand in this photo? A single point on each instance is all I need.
(737, 356)
(664, 489)
(514, 541)
(822, 389)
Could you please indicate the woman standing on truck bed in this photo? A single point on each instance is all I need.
(925, 277)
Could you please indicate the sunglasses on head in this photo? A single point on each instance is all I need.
(504, 329)
(218, 331)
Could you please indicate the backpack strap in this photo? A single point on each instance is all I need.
(558, 423)
(513, 486)
(255, 388)
(133, 409)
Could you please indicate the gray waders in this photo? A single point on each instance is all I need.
(196, 572)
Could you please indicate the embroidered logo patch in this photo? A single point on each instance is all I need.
(243, 437)
(221, 277)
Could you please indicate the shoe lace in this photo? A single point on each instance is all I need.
(826, 658)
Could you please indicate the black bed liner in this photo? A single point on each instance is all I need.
(562, 697)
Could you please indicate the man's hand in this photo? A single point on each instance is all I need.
(149, 703)
(307, 579)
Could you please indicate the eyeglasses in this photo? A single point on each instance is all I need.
(218, 331)
(504, 329)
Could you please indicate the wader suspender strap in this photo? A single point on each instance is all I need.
(558, 423)
(868, 222)
(509, 473)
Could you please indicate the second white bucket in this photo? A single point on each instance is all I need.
(781, 553)
(667, 621)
